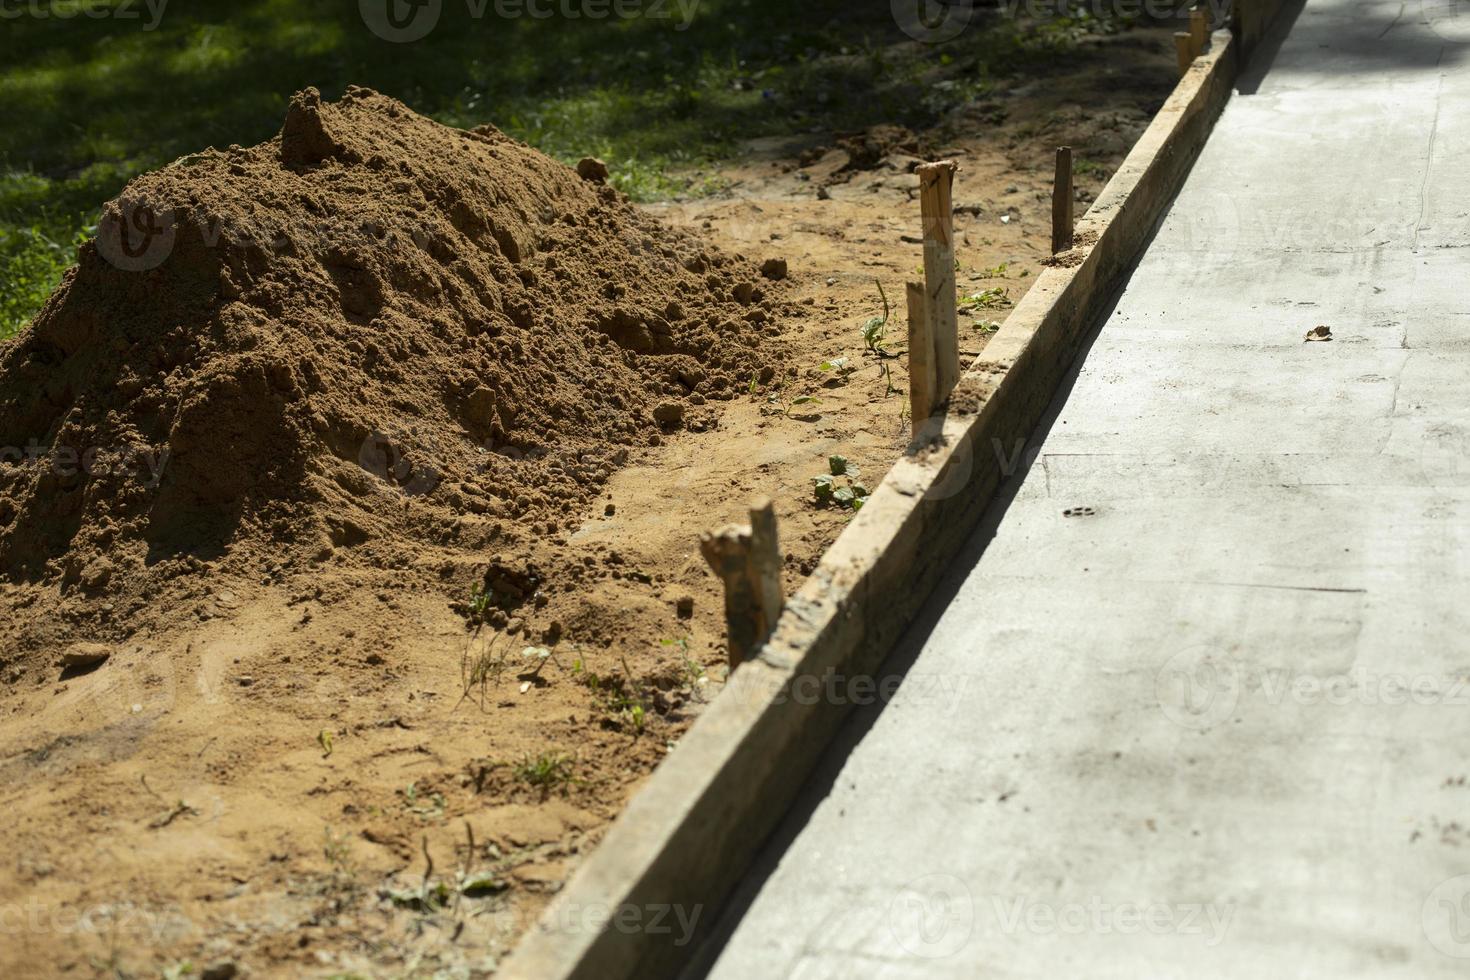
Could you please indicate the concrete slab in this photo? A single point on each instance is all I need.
(1368, 197)
(1196, 701)
(1273, 298)
(1445, 212)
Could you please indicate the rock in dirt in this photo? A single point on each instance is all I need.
(866, 150)
(305, 347)
(85, 654)
(593, 169)
(774, 269)
(669, 414)
(684, 606)
(481, 407)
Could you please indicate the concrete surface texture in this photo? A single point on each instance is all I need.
(1196, 701)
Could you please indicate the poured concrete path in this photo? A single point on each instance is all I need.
(1194, 703)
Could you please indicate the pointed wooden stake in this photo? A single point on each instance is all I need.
(921, 359)
(1061, 202)
(747, 557)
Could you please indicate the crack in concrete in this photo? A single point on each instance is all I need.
(1395, 22)
(1429, 157)
(1290, 588)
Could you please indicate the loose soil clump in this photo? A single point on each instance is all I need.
(369, 332)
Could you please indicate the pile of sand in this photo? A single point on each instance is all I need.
(371, 331)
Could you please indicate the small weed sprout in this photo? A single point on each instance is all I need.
(623, 703)
(479, 604)
(839, 369)
(695, 676)
(785, 410)
(826, 491)
(886, 373)
(478, 669)
(876, 329)
(547, 771)
(987, 299)
(428, 809)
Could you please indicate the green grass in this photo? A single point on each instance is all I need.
(547, 771)
(88, 103)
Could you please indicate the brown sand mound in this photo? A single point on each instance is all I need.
(358, 332)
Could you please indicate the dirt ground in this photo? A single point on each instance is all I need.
(299, 778)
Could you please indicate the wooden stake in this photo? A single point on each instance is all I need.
(1199, 31)
(728, 553)
(1061, 202)
(764, 567)
(921, 359)
(1184, 48)
(747, 558)
(936, 188)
